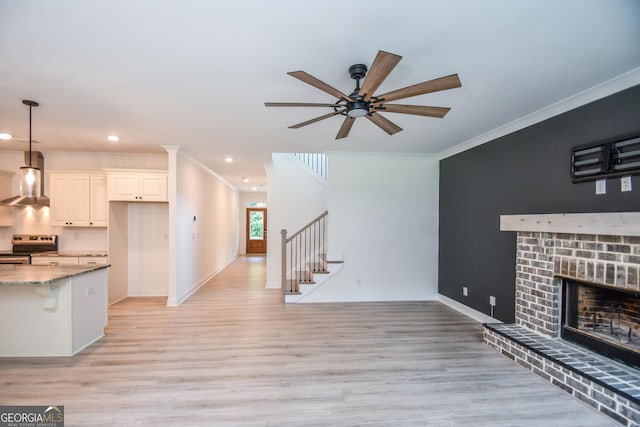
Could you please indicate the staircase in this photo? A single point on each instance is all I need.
(304, 261)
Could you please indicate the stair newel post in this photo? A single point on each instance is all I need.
(283, 280)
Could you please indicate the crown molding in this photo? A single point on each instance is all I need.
(614, 85)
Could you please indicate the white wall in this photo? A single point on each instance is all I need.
(245, 198)
(294, 197)
(383, 220)
(206, 225)
(148, 249)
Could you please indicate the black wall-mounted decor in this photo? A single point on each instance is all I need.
(607, 159)
(524, 172)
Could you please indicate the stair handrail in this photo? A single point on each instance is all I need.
(305, 246)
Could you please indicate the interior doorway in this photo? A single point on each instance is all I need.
(256, 230)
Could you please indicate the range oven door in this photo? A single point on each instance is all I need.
(15, 259)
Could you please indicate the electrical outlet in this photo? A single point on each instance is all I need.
(465, 291)
(492, 301)
(601, 186)
(625, 183)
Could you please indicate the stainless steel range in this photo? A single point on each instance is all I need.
(26, 244)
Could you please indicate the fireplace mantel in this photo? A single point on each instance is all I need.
(609, 223)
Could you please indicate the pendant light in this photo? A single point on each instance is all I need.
(30, 178)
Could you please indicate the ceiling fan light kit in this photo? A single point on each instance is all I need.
(362, 103)
(357, 109)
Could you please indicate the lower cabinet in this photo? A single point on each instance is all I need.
(54, 260)
(93, 260)
(69, 260)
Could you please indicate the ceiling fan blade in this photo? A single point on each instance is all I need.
(443, 83)
(297, 104)
(309, 79)
(345, 128)
(418, 110)
(382, 65)
(317, 119)
(383, 123)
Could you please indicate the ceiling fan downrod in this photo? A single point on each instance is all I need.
(357, 72)
(357, 107)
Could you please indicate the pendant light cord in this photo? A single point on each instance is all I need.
(31, 104)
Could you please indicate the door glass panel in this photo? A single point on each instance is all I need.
(256, 225)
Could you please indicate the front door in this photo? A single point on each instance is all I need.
(256, 230)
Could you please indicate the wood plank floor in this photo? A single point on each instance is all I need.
(233, 355)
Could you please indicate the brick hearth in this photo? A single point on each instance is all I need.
(602, 249)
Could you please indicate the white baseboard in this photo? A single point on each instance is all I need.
(467, 311)
(118, 300)
(186, 295)
(273, 285)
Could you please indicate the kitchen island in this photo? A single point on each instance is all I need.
(51, 310)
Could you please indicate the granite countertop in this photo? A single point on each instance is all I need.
(70, 253)
(40, 274)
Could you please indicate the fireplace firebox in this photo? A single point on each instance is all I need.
(603, 319)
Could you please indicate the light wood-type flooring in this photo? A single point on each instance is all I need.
(234, 355)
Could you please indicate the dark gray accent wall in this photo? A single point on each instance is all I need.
(524, 172)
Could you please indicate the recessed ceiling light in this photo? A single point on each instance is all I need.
(113, 138)
(5, 136)
(229, 159)
(245, 179)
(254, 188)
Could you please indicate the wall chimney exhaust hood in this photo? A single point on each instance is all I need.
(31, 177)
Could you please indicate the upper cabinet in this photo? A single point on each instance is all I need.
(137, 185)
(98, 202)
(78, 199)
(5, 193)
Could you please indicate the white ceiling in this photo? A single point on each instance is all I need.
(196, 73)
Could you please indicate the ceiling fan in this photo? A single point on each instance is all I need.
(363, 103)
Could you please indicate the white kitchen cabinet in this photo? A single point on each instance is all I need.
(54, 260)
(98, 202)
(5, 193)
(78, 199)
(137, 186)
(93, 260)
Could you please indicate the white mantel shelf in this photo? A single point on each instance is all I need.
(609, 223)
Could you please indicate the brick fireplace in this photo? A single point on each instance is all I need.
(600, 250)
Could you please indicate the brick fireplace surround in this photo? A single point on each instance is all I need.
(602, 249)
